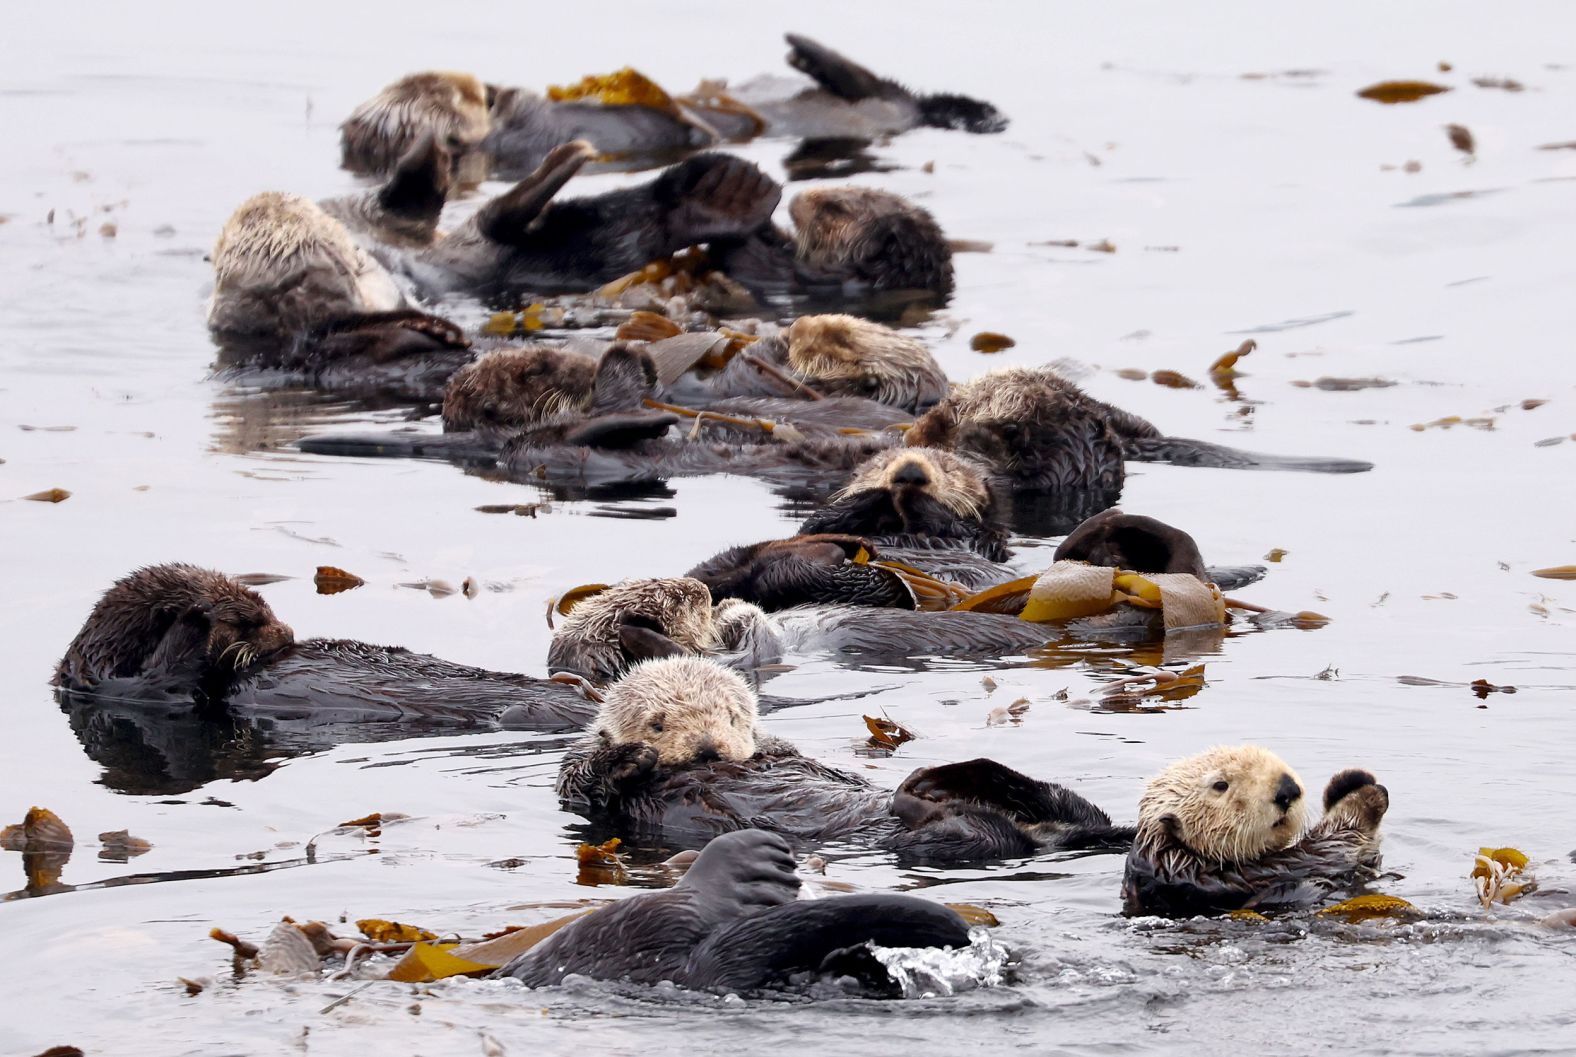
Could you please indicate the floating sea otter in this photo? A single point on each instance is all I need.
(179, 634)
(675, 752)
(733, 923)
(821, 569)
(630, 119)
(1224, 831)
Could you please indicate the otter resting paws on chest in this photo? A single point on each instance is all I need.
(734, 924)
(1223, 831)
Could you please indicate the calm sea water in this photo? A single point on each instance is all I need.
(1247, 192)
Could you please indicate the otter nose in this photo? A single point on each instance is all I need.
(706, 751)
(1287, 793)
(911, 472)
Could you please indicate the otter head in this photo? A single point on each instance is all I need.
(905, 474)
(848, 356)
(1230, 804)
(512, 388)
(1030, 426)
(452, 108)
(174, 621)
(1134, 542)
(688, 709)
(632, 621)
(871, 237)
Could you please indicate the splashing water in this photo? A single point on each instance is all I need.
(926, 972)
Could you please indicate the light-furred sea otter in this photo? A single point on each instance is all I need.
(733, 923)
(676, 753)
(1224, 831)
(179, 634)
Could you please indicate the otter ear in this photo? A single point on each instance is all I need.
(645, 644)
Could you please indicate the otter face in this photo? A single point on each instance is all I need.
(1230, 804)
(453, 108)
(871, 236)
(847, 356)
(688, 709)
(173, 620)
(632, 621)
(953, 482)
(513, 388)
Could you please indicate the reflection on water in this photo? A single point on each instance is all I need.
(1222, 205)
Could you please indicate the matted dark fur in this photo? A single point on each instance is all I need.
(733, 923)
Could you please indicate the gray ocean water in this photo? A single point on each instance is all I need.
(1247, 192)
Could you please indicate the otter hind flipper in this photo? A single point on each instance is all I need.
(715, 196)
(1234, 577)
(1180, 451)
(835, 72)
(1047, 815)
(818, 936)
(743, 872)
(624, 377)
(620, 431)
(512, 217)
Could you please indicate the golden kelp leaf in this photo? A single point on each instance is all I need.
(1461, 138)
(1307, 618)
(600, 864)
(1173, 380)
(121, 845)
(605, 852)
(1557, 572)
(39, 830)
(379, 930)
(372, 821)
(1369, 907)
(426, 962)
(1228, 362)
(647, 326)
(1276, 554)
(1246, 915)
(1482, 688)
(1005, 598)
(49, 495)
(500, 950)
(1507, 857)
(885, 734)
(499, 325)
(331, 580)
(242, 948)
(571, 598)
(1400, 91)
(1103, 246)
(973, 915)
(626, 87)
(990, 341)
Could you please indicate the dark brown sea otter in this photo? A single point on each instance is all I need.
(820, 569)
(179, 633)
(675, 753)
(734, 924)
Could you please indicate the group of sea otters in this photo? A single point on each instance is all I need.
(729, 353)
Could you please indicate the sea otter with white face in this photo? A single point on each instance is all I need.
(1227, 830)
(676, 751)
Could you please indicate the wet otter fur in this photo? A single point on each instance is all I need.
(1039, 432)
(919, 497)
(179, 633)
(805, 570)
(871, 237)
(733, 924)
(633, 773)
(1224, 831)
(631, 621)
(450, 108)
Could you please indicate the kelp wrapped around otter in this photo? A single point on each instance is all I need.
(676, 752)
(1224, 831)
(734, 923)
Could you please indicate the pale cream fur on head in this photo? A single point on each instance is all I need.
(954, 481)
(852, 355)
(685, 708)
(453, 106)
(1236, 824)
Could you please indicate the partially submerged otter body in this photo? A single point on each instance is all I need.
(676, 756)
(177, 634)
(734, 924)
(1223, 831)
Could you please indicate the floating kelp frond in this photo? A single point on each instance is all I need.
(626, 87)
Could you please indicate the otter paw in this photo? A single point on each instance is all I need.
(1345, 782)
(437, 328)
(631, 761)
(719, 196)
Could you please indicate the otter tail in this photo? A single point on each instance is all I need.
(458, 447)
(1180, 451)
(821, 936)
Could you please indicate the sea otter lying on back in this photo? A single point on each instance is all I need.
(734, 923)
(512, 129)
(1224, 831)
(676, 752)
(178, 633)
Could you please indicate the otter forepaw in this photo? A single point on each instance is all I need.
(1345, 782)
(1357, 799)
(631, 761)
(718, 196)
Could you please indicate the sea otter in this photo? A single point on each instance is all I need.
(1147, 545)
(676, 752)
(611, 628)
(177, 634)
(1224, 831)
(451, 109)
(733, 923)
(819, 569)
(1038, 432)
